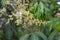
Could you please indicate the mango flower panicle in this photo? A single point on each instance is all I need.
(19, 14)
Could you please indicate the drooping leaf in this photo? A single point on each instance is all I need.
(24, 37)
(34, 37)
(42, 35)
(52, 35)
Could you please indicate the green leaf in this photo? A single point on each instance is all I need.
(24, 37)
(3, 2)
(41, 6)
(34, 37)
(42, 35)
(58, 38)
(35, 7)
(52, 35)
(31, 4)
(8, 31)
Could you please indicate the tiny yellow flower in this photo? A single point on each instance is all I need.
(16, 21)
(30, 23)
(17, 24)
(0, 15)
(10, 15)
(13, 14)
(36, 23)
(11, 18)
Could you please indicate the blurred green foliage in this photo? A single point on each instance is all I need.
(37, 23)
